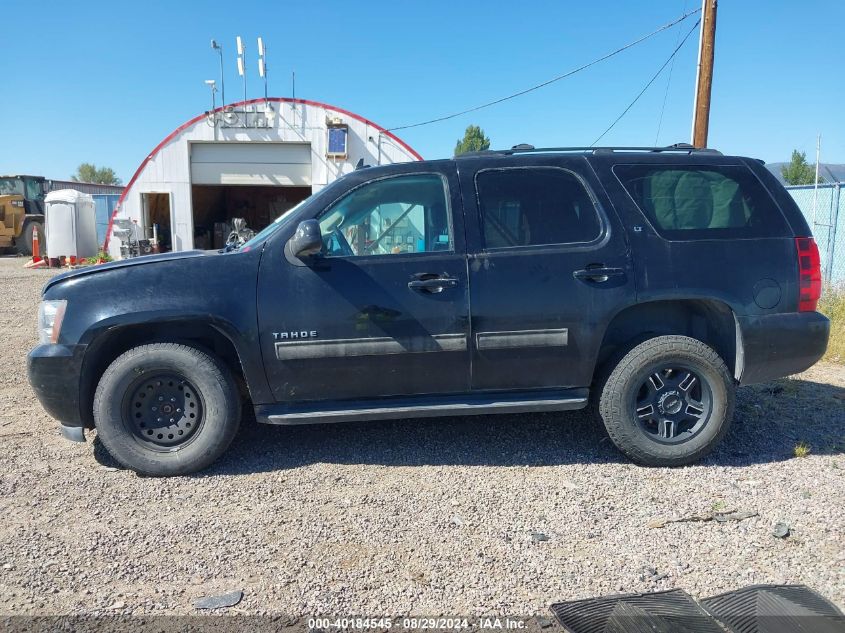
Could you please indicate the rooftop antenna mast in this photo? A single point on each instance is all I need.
(219, 48)
(242, 64)
(262, 65)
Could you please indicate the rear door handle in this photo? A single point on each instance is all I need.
(433, 284)
(599, 274)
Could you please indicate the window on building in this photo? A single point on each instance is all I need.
(703, 202)
(406, 214)
(535, 206)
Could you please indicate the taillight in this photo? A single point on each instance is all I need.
(809, 274)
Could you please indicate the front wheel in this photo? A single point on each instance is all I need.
(668, 402)
(23, 243)
(166, 409)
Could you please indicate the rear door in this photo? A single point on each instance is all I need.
(548, 268)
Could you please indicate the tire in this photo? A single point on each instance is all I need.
(23, 244)
(166, 409)
(668, 402)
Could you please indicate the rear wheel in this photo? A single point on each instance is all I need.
(23, 243)
(166, 409)
(668, 402)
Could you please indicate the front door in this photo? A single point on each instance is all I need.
(384, 309)
(549, 267)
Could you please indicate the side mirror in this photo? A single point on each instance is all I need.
(307, 240)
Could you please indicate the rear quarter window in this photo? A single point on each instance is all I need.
(689, 202)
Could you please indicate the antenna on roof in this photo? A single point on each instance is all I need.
(262, 65)
(219, 48)
(241, 63)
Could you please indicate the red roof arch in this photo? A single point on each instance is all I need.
(200, 117)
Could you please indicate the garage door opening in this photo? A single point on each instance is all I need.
(156, 209)
(256, 181)
(215, 206)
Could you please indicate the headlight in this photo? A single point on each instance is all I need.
(50, 316)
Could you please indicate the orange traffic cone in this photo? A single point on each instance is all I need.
(36, 248)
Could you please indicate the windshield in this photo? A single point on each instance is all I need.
(267, 231)
(11, 186)
(271, 228)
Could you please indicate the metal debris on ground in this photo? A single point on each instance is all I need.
(719, 517)
(218, 602)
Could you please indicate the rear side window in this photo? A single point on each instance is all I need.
(703, 202)
(535, 206)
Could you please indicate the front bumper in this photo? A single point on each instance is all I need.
(778, 345)
(54, 373)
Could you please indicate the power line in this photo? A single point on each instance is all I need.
(668, 84)
(651, 81)
(550, 81)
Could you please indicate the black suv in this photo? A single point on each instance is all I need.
(650, 282)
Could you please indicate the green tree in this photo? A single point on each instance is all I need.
(799, 172)
(88, 172)
(473, 141)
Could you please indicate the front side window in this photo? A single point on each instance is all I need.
(33, 190)
(703, 202)
(405, 214)
(535, 206)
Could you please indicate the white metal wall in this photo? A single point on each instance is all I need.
(169, 169)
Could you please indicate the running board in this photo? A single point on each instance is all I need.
(421, 407)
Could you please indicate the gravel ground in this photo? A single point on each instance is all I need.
(430, 517)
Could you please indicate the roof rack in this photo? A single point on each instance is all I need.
(524, 148)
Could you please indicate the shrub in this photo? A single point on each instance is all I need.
(832, 305)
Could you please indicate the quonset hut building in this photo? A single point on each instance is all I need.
(254, 160)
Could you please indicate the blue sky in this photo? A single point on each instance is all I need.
(104, 82)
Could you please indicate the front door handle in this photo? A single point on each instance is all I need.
(432, 283)
(598, 274)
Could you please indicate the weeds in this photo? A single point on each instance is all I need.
(802, 449)
(832, 305)
(718, 505)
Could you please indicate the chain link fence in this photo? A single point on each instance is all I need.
(823, 209)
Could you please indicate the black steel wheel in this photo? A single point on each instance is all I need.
(166, 409)
(163, 411)
(668, 401)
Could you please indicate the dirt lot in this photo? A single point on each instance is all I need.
(428, 517)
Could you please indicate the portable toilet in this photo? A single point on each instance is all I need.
(71, 224)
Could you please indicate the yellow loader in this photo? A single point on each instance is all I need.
(22, 212)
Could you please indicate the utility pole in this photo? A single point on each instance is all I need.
(704, 76)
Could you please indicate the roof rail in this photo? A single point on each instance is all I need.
(524, 148)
